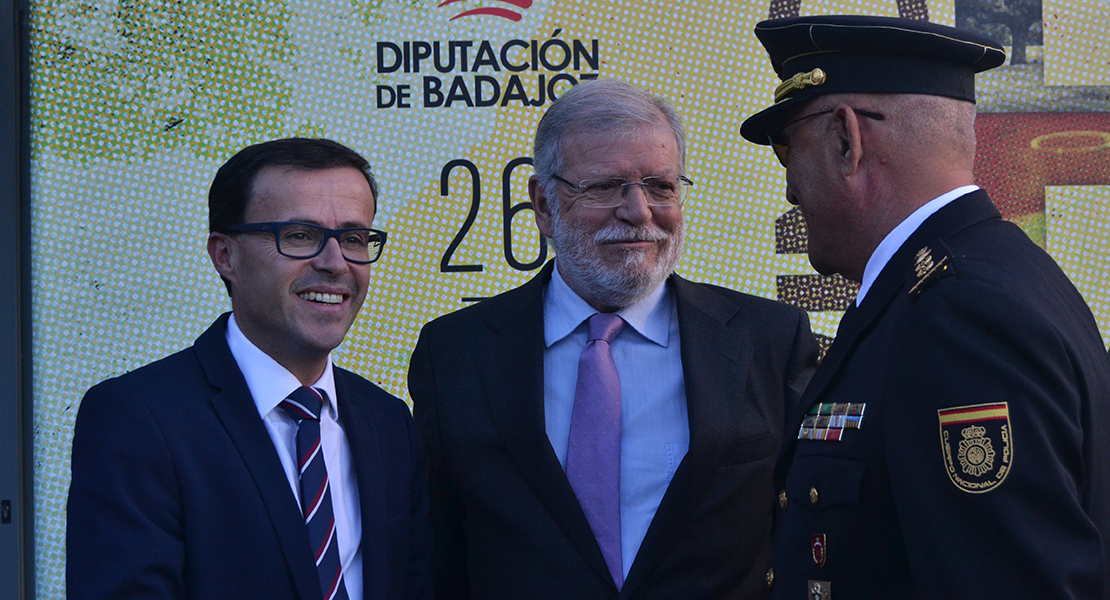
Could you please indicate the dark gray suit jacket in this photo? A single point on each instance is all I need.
(506, 521)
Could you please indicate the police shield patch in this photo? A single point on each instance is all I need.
(977, 445)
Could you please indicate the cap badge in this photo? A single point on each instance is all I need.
(977, 445)
(799, 82)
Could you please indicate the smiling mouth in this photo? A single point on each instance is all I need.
(321, 298)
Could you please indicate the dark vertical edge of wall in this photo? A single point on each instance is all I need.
(25, 348)
(16, 427)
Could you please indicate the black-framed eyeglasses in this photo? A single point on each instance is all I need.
(608, 192)
(780, 145)
(360, 245)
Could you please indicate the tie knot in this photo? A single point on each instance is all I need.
(604, 326)
(303, 403)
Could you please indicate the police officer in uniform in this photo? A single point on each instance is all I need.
(955, 441)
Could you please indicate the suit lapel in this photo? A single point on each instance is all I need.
(236, 410)
(715, 365)
(366, 457)
(514, 375)
(850, 331)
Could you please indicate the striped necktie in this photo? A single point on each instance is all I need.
(303, 406)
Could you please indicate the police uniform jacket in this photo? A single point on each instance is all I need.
(971, 397)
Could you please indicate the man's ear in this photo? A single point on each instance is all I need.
(540, 206)
(848, 139)
(221, 249)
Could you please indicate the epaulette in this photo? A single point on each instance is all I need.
(929, 264)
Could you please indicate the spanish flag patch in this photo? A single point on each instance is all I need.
(977, 445)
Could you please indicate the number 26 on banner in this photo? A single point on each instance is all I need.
(509, 210)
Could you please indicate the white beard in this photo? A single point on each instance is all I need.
(614, 287)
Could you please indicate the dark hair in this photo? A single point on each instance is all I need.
(231, 189)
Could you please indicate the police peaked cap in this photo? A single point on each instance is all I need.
(871, 55)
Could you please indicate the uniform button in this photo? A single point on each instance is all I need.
(783, 500)
(770, 577)
(813, 497)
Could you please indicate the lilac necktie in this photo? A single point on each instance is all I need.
(304, 406)
(594, 447)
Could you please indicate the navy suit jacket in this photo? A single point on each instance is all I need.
(506, 520)
(907, 507)
(178, 491)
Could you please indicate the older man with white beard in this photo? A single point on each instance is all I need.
(608, 429)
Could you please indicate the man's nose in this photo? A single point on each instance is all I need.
(634, 206)
(331, 257)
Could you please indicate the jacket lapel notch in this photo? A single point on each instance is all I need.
(514, 374)
(236, 410)
(714, 366)
(258, 454)
(366, 456)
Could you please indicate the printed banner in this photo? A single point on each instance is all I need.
(135, 105)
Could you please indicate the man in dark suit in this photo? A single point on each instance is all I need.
(571, 462)
(954, 441)
(248, 466)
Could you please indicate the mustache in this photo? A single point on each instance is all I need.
(627, 233)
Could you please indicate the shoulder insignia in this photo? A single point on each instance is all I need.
(929, 264)
(977, 445)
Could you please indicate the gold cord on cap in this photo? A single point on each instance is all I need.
(799, 82)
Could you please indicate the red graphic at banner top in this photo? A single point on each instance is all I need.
(1018, 154)
(503, 13)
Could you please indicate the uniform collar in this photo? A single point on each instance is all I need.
(898, 236)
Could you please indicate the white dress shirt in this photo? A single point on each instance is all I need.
(898, 236)
(269, 384)
(655, 430)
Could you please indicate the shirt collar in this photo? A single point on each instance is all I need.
(898, 236)
(564, 310)
(268, 381)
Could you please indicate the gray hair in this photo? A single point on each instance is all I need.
(936, 126)
(598, 106)
(929, 127)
